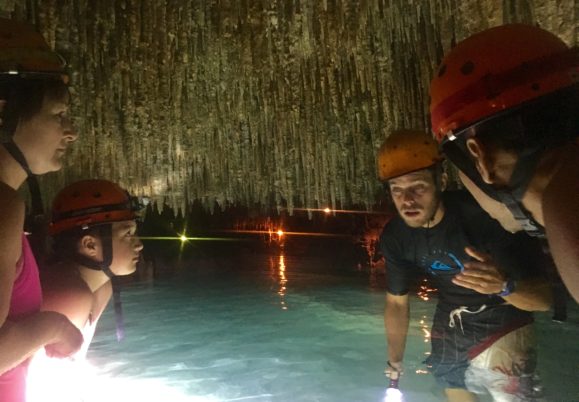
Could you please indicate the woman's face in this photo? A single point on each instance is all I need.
(45, 137)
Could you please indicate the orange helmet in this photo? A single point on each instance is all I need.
(406, 151)
(24, 52)
(91, 202)
(495, 70)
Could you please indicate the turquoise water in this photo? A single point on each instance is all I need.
(272, 327)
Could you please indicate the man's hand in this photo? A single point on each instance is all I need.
(394, 370)
(482, 275)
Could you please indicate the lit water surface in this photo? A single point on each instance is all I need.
(280, 328)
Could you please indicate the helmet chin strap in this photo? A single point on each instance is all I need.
(34, 223)
(105, 266)
(16, 153)
(437, 175)
(518, 184)
(105, 232)
(18, 156)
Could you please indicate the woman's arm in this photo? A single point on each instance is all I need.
(20, 339)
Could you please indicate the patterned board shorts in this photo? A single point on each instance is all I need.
(505, 368)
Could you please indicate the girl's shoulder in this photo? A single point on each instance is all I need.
(69, 295)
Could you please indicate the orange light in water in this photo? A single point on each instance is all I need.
(340, 211)
(280, 233)
(425, 329)
(424, 291)
(282, 282)
(270, 232)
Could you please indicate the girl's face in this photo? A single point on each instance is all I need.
(126, 247)
(45, 137)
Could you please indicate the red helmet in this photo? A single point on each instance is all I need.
(24, 52)
(91, 202)
(495, 70)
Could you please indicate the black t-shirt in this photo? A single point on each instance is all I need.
(439, 251)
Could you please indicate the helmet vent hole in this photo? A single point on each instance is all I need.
(467, 68)
(535, 86)
(442, 70)
(107, 215)
(97, 195)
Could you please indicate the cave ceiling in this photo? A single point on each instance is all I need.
(273, 103)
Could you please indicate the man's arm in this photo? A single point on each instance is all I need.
(483, 276)
(561, 216)
(531, 295)
(396, 315)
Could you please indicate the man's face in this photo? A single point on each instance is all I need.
(415, 197)
(495, 165)
(495, 209)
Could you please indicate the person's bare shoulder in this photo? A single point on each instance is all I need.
(68, 294)
(560, 204)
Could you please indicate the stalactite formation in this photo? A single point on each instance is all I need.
(279, 102)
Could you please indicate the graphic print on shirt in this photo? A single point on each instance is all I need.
(441, 262)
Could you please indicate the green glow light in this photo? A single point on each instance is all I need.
(184, 238)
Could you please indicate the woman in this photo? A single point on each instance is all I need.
(33, 118)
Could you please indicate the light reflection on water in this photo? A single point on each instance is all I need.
(268, 328)
(278, 275)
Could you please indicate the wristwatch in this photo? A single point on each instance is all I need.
(508, 288)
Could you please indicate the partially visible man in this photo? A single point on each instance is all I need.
(504, 104)
(488, 280)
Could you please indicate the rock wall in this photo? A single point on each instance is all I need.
(273, 102)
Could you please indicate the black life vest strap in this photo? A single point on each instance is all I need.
(36, 197)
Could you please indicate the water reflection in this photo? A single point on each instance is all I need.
(282, 282)
(424, 294)
(278, 274)
(424, 290)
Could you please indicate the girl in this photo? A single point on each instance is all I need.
(94, 230)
